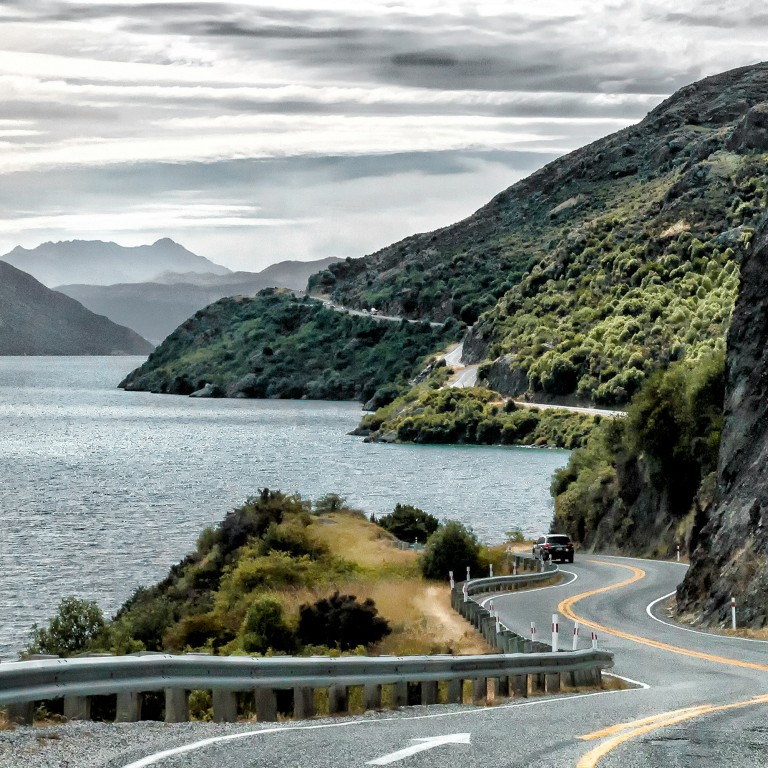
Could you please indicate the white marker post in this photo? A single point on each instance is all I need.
(467, 573)
(575, 635)
(678, 553)
(533, 632)
(733, 612)
(466, 594)
(594, 641)
(555, 632)
(514, 567)
(490, 570)
(450, 578)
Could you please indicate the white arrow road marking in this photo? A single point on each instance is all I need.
(431, 743)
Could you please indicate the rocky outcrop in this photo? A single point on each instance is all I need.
(752, 131)
(506, 376)
(731, 549)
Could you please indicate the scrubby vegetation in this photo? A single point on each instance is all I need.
(452, 548)
(474, 416)
(409, 523)
(279, 576)
(277, 346)
(636, 484)
(603, 267)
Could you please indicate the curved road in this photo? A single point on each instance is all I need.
(703, 702)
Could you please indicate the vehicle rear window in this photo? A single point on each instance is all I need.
(558, 539)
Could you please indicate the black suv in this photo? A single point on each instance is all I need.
(554, 546)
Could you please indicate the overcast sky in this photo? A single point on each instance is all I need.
(254, 132)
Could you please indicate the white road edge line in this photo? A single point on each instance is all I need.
(158, 756)
(485, 600)
(644, 686)
(649, 611)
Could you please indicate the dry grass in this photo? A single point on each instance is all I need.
(364, 543)
(419, 613)
(5, 724)
(677, 228)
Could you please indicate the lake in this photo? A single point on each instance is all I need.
(102, 490)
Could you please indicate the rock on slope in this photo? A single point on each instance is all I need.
(731, 554)
(35, 320)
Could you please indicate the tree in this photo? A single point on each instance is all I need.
(452, 547)
(76, 625)
(341, 621)
(409, 523)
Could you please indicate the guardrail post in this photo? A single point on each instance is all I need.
(338, 699)
(520, 686)
(77, 707)
(128, 709)
(479, 690)
(400, 694)
(455, 692)
(224, 706)
(372, 696)
(303, 703)
(265, 701)
(502, 686)
(538, 683)
(429, 692)
(552, 682)
(176, 705)
(22, 713)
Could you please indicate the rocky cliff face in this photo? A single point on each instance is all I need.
(731, 549)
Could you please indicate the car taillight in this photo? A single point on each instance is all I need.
(546, 546)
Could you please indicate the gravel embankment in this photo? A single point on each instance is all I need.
(99, 745)
(82, 744)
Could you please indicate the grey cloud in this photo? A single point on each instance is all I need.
(719, 21)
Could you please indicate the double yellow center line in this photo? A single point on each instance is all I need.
(618, 734)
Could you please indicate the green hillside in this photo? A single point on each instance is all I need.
(277, 346)
(607, 264)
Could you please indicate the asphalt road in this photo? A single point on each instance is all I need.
(697, 705)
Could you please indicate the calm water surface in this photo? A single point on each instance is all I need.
(102, 490)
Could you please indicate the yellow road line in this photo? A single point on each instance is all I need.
(635, 723)
(592, 757)
(623, 732)
(566, 608)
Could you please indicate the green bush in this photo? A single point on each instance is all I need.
(264, 628)
(77, 625)
(409, 523)
(453, 547)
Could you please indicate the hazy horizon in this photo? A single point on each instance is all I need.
(257, 132)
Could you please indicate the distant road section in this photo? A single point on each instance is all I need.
(372, 314)
(466, 376)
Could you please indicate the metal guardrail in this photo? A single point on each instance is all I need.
(39, 680)
(522, 666)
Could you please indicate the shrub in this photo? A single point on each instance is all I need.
(409, 523)
(341, 621)
(264, 628)
(453, 547)
(76, 625)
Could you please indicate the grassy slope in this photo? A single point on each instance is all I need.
(203, 601)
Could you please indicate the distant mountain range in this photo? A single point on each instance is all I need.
(35, 320)
(98, 263)
(154, 309)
